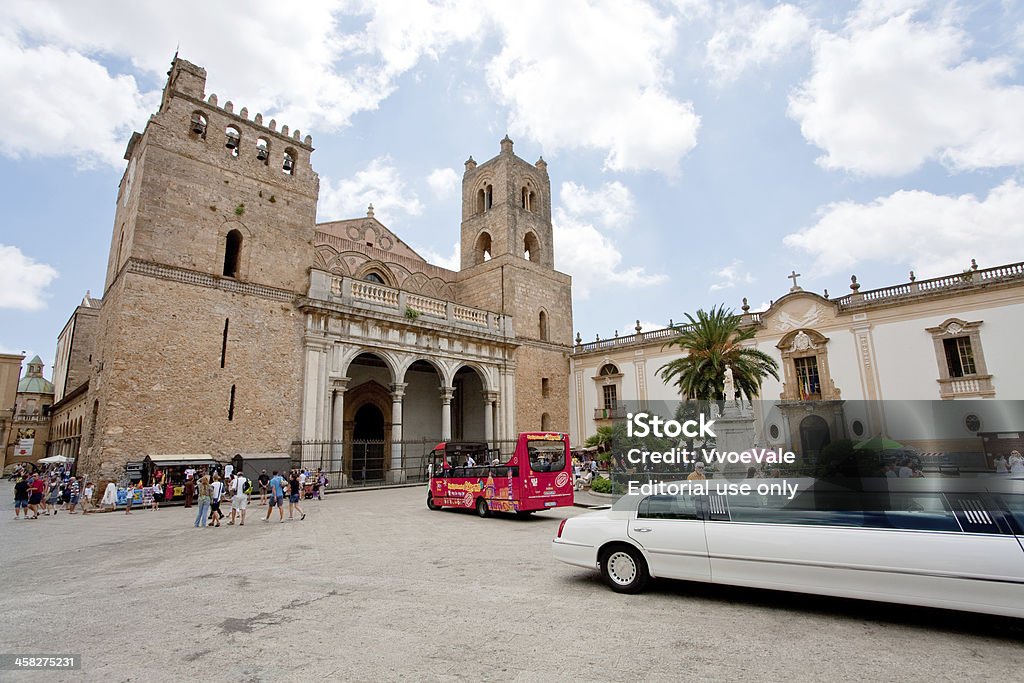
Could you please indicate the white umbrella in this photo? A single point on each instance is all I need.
(56, 459)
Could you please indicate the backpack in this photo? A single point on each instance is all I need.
(247, 489)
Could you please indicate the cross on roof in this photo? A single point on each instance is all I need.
(793, 276)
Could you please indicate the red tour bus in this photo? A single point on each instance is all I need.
(538, 476)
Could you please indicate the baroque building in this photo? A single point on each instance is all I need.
(231, 322)
(919, 362)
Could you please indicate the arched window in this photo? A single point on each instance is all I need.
(543, 326)
(527, 199)
(232, 253)
(531, 248)
(373, 276)
(232, 138)
(608, 369)
(482, 250)
(489, 197)
(288, 164)
(263, 150)
(198, 124)
(481, 200)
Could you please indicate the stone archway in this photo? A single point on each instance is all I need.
(367, 432)
(814, 436)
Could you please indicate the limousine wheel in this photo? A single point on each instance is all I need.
(431, 504)
(624, 569)
(481, 507)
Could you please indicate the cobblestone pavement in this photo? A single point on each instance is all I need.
(374, 586)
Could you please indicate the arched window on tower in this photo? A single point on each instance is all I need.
(232, 138)
(488, 197)
(288, 164)
(482, 250)
(531, 248)
(481, 199)
(232, 253)
(263, 150)
(198, 125)
(528, 199)
(543, 326)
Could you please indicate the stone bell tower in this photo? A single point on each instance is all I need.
(508, 265)
(195, 342)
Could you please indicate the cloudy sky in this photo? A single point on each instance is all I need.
(698, 151)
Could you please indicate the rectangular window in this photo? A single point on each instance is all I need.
(668, 507)
(610, 398)
(807, 377)
(959, 356)
(231, 405)
(545, 387)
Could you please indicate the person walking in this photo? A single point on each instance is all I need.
(240, 488)
(74, 489)
(204, 501)
(86, 498)
(295, 489)
(20, 497)
(216, 492)
(109, 496)
(36, 490)
(53, 496)
(276, 485)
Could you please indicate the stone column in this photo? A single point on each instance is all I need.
(314, 390)
(396, 474)
(490, 397)
(446, 413)
(339, 384)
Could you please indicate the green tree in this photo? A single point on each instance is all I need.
(602, 439)
(712, 342)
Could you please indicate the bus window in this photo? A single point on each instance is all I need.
(546, 456)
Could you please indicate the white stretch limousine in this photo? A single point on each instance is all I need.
(954, 544)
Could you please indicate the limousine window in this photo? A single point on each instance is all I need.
(667, 507)
(910, 511)
(1015, 507)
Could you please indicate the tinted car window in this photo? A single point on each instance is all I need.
(667, 507)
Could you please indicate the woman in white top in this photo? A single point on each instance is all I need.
(110, 495)
(1016, 462)
(1001, 466)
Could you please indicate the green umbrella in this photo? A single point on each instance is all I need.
(880, 443)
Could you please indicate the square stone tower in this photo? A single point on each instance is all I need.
(508, 266)
(195, 348)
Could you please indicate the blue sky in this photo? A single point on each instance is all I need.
(698, 151)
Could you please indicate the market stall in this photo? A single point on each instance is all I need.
(170, 471)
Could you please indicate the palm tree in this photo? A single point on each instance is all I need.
(712, 342)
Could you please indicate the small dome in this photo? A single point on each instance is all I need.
(33, 382)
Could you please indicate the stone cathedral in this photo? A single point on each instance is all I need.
(232, 322)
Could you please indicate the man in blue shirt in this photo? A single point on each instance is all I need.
(277, 486)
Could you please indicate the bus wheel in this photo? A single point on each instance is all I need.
(431, 504)
(624, 569)
(482, 508)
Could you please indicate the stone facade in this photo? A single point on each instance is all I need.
(231, 322)
(10, 373)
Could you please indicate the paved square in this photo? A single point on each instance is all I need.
(372, 586)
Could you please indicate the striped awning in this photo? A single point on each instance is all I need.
(930, 455)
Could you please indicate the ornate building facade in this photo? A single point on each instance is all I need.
(903, 361)
(232, 322)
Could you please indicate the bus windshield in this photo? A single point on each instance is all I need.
(546, 456)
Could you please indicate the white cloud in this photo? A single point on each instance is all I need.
(443, 182)
(379, 184)
(23, 281)
(889, 94)
(591, 258)
(611, 205)
(296, 65)
(731, 275)
(932, 234)
(451, 262)
(594, 76)
(752, 36)
(59, 103)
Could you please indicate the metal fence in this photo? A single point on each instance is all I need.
(373, 463)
